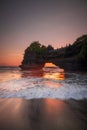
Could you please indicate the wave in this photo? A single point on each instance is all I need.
(31, 88)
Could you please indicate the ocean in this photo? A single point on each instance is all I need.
(49, 82)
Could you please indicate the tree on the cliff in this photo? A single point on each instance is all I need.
(34, 53)
(49, 48)
(83, 52)
(37, 53)
(82, 39)
(78, 48)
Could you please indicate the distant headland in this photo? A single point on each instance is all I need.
(71, 57)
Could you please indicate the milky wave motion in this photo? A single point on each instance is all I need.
(73, 85)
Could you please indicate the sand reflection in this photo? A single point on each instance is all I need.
(40, 114)
(11, 105)
(11, 113)
(51, 105)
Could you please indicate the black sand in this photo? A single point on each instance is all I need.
(43, 114)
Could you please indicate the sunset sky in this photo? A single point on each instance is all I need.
(55, 22)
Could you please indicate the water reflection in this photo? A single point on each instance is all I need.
(49, 71)
(32, 73)
(44, 74)
(9, 75)
(52, 84)
(55, 76)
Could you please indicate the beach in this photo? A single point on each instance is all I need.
(45, 99)
(42, 114)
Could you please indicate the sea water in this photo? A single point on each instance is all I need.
(48, 82)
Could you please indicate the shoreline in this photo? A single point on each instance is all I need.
(43, 114)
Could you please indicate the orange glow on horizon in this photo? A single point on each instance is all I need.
(11, 60)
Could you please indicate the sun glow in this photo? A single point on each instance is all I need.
(49, 65)
(53, 72)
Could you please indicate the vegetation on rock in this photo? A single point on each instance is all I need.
(38, 54)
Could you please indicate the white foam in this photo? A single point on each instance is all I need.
(12, 84)
(30, 88)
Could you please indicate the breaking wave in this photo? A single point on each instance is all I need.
(71, 85)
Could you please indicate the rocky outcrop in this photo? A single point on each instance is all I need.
(72, 57)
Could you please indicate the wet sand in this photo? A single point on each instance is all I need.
(42, 114)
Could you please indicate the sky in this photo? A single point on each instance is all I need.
(55, 22)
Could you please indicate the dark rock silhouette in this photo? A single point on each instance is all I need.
(73, 56)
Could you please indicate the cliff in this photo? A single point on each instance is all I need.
(73, 56)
